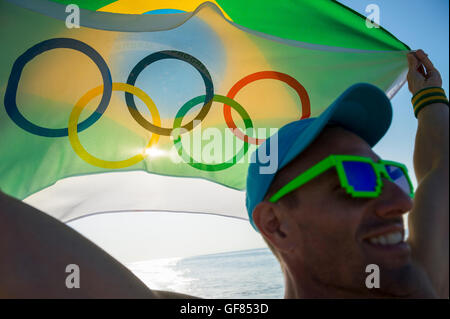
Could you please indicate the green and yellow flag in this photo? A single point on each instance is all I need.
(158, 105)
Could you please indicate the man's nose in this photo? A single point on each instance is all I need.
(393, 201)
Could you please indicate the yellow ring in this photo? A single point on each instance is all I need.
(81, 104)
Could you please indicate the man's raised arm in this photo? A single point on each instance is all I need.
(428, 221)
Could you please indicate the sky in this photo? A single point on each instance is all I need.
(133, 237)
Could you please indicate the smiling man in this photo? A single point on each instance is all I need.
(334, 206)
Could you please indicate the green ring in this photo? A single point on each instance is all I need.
(201, 99)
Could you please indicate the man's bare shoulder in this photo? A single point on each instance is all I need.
(36, 249)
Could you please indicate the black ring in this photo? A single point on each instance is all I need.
(169, 54)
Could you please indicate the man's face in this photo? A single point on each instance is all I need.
(337, 236)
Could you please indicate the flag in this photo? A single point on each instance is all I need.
(162, 111)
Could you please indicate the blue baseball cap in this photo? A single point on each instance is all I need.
(362, 109)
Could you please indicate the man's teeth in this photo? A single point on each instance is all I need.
(393, 238)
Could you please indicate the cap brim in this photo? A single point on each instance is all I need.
(362, 109)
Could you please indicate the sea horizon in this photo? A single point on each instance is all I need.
(249, 273)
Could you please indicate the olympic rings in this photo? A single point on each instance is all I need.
(79, 106)
(169, 54)
(16, 72)
(304, 98)
(130, 90)
(179, 118)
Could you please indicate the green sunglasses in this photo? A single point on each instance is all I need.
(359, 176)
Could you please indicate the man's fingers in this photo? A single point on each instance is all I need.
(412, 61)
(415, 68)
(417, 77)
(432, 72)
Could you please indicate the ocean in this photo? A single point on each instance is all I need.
(241, 274)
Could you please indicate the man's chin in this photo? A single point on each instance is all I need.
(400, 279)
(398, 276)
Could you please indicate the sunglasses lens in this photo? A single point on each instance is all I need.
(398, 177)
(361, 176)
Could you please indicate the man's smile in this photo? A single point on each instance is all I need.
(387, 240)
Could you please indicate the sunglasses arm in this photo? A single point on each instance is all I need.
(304, 178)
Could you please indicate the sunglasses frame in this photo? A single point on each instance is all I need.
(336, 161)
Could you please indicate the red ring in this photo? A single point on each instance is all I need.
(289, 80)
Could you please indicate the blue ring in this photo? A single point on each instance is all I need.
(16, 72)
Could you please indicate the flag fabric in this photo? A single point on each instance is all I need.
(162, 111)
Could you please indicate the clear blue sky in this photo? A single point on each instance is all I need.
(131, 237)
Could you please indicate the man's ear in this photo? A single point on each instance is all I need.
(270, 222)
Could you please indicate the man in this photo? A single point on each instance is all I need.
(323, 237)
(327, 218)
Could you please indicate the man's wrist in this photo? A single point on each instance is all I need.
(433, 108)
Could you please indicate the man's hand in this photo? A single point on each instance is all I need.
(418, 78)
